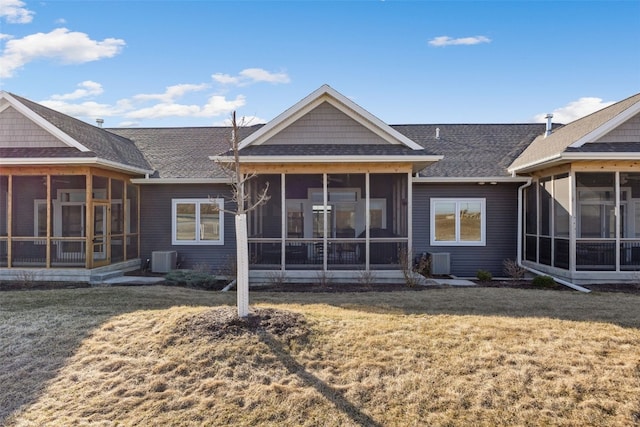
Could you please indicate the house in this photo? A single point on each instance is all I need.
(349, 193)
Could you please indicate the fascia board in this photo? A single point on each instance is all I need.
(535, 164)
(470, 179)
(148, 181)
(570, 157)
(40, 121)
(327, 159)
(607, 127)
(602, 156)
(61, 161)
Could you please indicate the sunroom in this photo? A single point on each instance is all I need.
(582, 223)
(62, 217)
(332, 221)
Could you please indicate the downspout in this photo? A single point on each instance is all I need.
(519, 249)
(520, 204)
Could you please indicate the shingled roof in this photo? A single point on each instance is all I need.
(103, 144)
(183, 153)
(542, 149)
(472, 150)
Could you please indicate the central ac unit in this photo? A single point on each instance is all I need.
(440, 264)
(163, 261)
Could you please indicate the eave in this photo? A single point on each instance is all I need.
(148, 181)
(418, 162)
(61, 161)
(563, 158)
(470, 179)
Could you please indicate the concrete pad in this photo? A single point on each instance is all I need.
(454, 282)
(132, 280)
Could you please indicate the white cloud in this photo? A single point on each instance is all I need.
(242, 121)
(574, 110)
(14, 12)
(87, 88)
(60, 44)
(215, 106)
(225, 79)
(250, 76)
(171, 92)
(84, 109)
(442, 41)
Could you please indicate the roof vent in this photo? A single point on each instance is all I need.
(99, 122)
(549, 124)
(437, 133)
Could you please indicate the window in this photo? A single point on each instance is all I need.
(458, 222)
(197, 222)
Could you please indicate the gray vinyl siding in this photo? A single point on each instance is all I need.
(155, 225)
(325, 124)
(501, 226)
(629, 131)
(17, 131)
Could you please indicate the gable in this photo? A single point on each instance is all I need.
(325, 124)
(18, 131)
(346, 107)
(628, 131)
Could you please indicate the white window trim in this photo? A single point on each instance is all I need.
(458, 242)
(197, 202)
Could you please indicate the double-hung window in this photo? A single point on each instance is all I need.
(197, 222)
(458, 222)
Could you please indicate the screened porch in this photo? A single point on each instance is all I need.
(330, 221)
(584, 222)
(59, 217)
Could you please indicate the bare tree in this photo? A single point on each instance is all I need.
(245, 202)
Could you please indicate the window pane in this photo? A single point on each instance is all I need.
(545, 207)
(531, 213)
(185, 221)
(209, 222)
(445, 221)
(596, 204)
(470, 221)
(630, 192)
(295, 219)
(562, 202)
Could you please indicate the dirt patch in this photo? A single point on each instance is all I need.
(223, 322)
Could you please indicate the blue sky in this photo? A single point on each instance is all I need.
(190, 63)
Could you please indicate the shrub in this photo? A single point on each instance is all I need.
(544, 281)
(484, 275)
(512, 269)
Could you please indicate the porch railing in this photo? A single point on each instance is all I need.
(339, 253)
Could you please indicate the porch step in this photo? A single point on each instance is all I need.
(103, 276)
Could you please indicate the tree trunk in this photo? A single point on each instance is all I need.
(242, 284)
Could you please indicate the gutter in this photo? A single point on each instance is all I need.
(57, 161)
(148, 180)
(561, 281)
(470, 179)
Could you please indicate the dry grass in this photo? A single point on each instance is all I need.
(156, 356)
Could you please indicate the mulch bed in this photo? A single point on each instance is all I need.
(632, 288)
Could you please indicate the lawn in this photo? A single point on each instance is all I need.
(176, 356)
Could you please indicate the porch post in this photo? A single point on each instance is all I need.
(48, 239)
(325, 198)
(9, 220)
(367, 226)
(88, 220)
(409, 221)
(573, 224)
(617, 213)
(283, 222)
